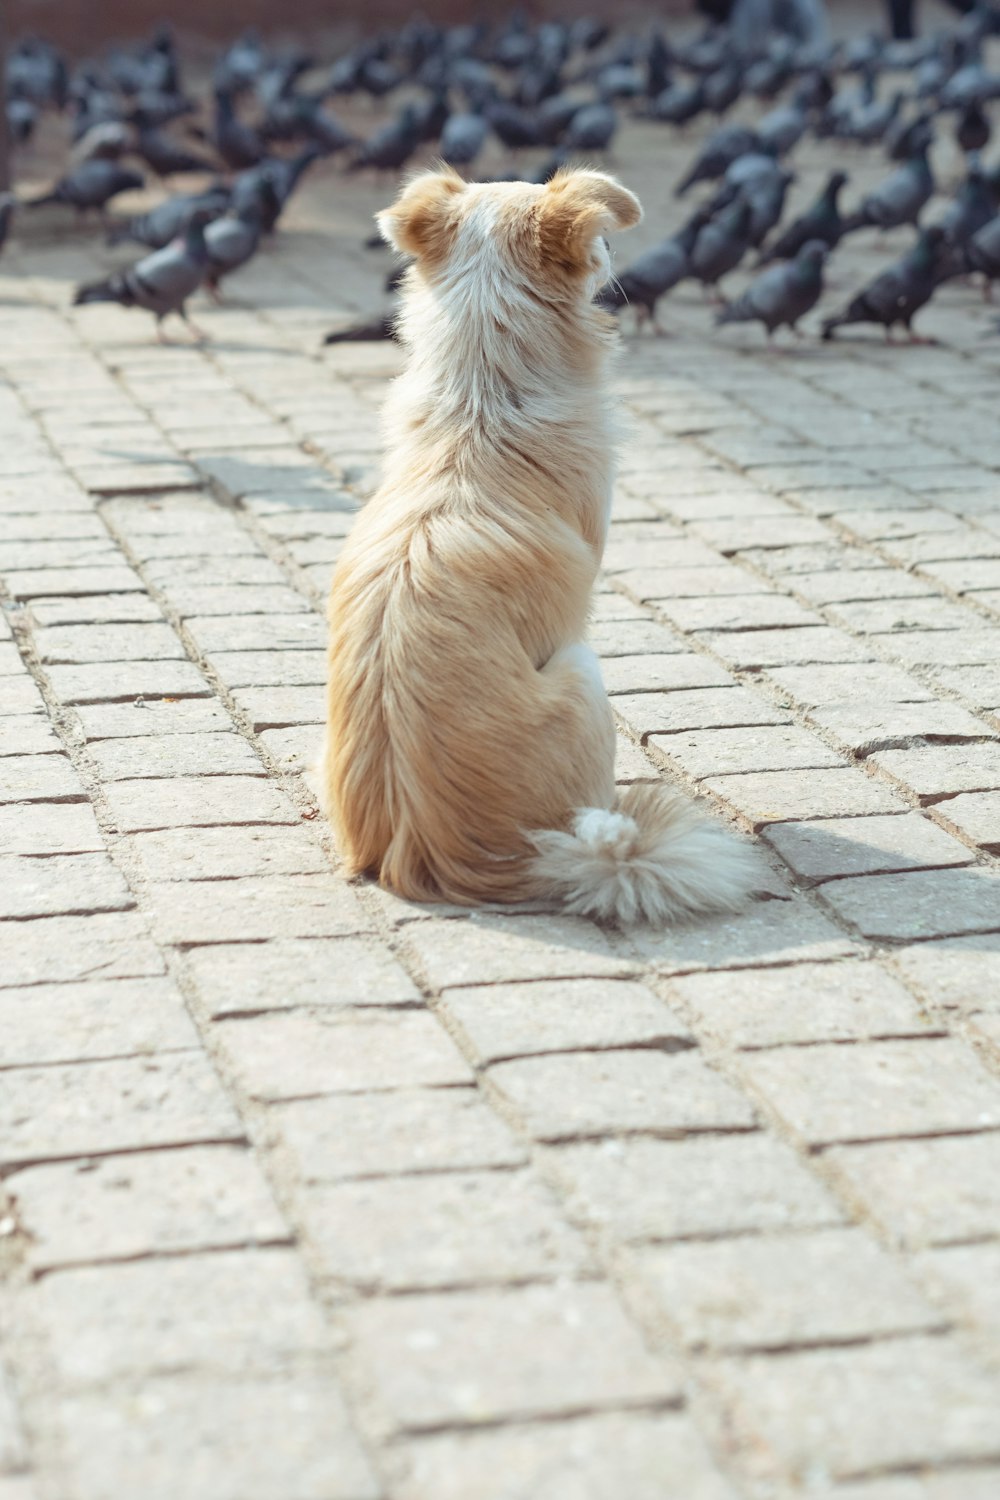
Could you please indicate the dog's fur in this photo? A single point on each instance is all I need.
(470, 745)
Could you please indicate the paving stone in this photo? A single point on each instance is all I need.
(631, 764)
(766, 932)
(936, 771)
(950, 1484)
(60, 885)
(965, 1281)
(466, 1358)
(689, 582)
(957, 973)
(259, 600)
(752, 649)
(100, 1107)
(95, 609)
(977, 816)
(215, 1439)
(822, 685)
(240, 669)
(926, 1192)
(27, 734)
(699, 708)
(616, 639)
(924, 903)
(97, 551)
(391, 1133)
(144, 1203)
(120, 681)
(252, 908)
(39, 778)
(19, 695)
(642, 1455)
(630, 674)
(54, 582)
(512, 1020)
(899, 1404)
(281, 707)
(238, 1309)
(216, 570)
(13, 1449)
(780, 796)
(864, 846)
(77, 1022)
(579, 1094)
(295, 749)
(196, 802)
(436, 1231)
(839, 1002)
(779, 1291)
(869, 725)
(761, 747)
(152, 718)
(52, 950)
(221, 853)
(830, 1093)
(488, 948)
(87, 644)
(300, 1054)
(241, 978)
(215, 754)
(258, 632)
(667, 1190)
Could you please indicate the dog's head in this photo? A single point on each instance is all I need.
(549, 237)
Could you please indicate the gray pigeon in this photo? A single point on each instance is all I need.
(462, 139)
(231, 241)
(784, 294)
(162, 282)
(654, 273)
(591, 128)
(7, 203)
(982, 253)
(900, 291)
(90, 185)
(898, 199)
(719, 152)
(722, 244)
(821, 221)
(168, 219)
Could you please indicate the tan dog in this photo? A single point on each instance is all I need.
(470, 746)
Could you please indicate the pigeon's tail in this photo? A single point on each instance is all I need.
(114, 289)
(687, 182)
(831, 324)
(851, 222)
(656, 859)
(364, 333)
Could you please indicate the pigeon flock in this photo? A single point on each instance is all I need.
(545, 95)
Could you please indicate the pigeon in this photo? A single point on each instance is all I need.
(239, 145)
(392, 146)
(90, 185)
(168, 219)
(654, 273)
(821, 221)
(901, 291)
(161, 282)
(973, 129)
(766, 196)
(591, 128)
(904, 139)
(166, 157)
(782, 129)
(723, 88)
(514, 127)
(719, 152)
(782, 295)
(462, 138)
(365, 333)
(679, 103)
(234, 238)
(7, 205)
(973, 207)
(898, 199)
(982, 253)
(282, 173)
(721, 244)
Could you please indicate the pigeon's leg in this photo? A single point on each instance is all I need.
(199, 334)
(212, 288)
(161, 337)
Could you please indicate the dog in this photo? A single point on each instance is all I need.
(470, 744)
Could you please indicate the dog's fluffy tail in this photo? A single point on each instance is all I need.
(655, 859)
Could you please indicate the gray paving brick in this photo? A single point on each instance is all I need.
(935, 771)
(60, 885)
(531, 1352)
(487, 948)
(152, 718)
(919, 904)
(221, 853)
(315, 972)
(956, 973)
(766, 797)
(144, 1203)
(300, 1054)
(666, 1190)
(112, 682)
(280, 707)
(95, 609)
(927, 1192)
(869, 725)
(977, 816)
(19, 695)
(761, 747)
(108, 945)
(39, 778)
(258, 632)
(699, 708)
(779, 1291)
(251, 908)
(629, 674)
(196, 802)
(767, 932)
(241, 669)
(27, 734)
(76, 1022)
(88, 644)
(215, 754)
(949, 1484)
(864, 846)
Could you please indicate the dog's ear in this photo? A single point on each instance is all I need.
(419, 222)
(576, 207)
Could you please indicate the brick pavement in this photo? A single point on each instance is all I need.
(309, 1194)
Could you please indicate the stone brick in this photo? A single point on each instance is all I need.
(144, 1203)
(218, 570)
(203, 600)
(767, 932)
(870, 725)
(762, 747)
(699, 708)
(630, 674)
(51, 950)
(19, 695)
(104, 1106)
(240, 978)
(752, 649)
(488, 948)
(838, 1002)
(697, 583)
(86, 644)
(773, 1292)
(435, 1231)
(667, 1190)
(13, 1449)
(78, 1022)
(950, 1484)
(196, 802)
(234, 1309)
(27, 734)
(864, 846)
(821, 685)
(60, 885)
(258, 632)
(977, 816)
(215, 754)
(927, 1192)
(281, 707)
(900, 1404)
(921, 904)
(270, 668)
(957, 973)
(580, 1094)
(221, 853)
(298, 1055)
(392, 1132)
(513, 1020)
(631, 763)
(215, 1438)
(467, 1357)
(250, 908)
(95, 609)
(612, 639)
(830, 1093)
(39, 778)
(635, 1454)
(40, 583)
(936, 771)
(977, 685)
(965, 1281)
(110, 682)
(152, 718)
(780, 796)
